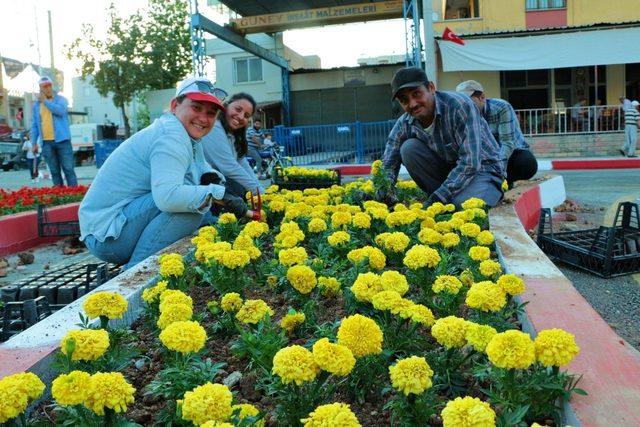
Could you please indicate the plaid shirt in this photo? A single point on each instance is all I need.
(460, 138)
(251, 132)
(504, 127)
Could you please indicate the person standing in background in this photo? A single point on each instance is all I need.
(631, 123)
(50, 123)
(33, 157)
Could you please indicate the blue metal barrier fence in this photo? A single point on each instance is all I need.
(356, 142)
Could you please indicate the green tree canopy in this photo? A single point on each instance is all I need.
(148, 50)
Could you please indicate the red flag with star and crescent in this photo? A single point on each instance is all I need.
(451, 36)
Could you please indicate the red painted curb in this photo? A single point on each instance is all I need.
(353, 169)
(527, 208)
(20, 231)
(595, 164)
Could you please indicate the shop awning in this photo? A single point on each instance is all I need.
(569, 49)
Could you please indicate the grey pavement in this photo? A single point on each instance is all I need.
(13, 180)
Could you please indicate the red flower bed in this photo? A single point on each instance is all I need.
(26, 198)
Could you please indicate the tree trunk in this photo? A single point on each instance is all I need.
(125, 119)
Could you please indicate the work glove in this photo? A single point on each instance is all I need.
(234, 204)
(387, 197)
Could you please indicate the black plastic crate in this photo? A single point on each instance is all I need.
(48, 228)
(604, 251)
(279, 180)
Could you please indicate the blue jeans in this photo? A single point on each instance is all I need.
(60, 155)
(429, 171)
(146, 231)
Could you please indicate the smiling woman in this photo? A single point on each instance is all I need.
(147, 194)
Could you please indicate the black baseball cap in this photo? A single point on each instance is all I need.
(408, 77)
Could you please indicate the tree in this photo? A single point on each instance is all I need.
(148, 50)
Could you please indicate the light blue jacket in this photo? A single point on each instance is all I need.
(220, 152)
(162, 160)
(60, 113)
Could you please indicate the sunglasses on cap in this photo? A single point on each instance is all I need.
(205, 86)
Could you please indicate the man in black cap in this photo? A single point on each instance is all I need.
(443, 142)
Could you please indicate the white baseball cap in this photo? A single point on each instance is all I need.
(469, 87)
(45, 81)
(201, 89)
(635, 103)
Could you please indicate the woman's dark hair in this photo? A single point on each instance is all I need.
(240, 135)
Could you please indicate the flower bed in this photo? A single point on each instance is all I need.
(338, 308)
(27, 198)
(298, 178)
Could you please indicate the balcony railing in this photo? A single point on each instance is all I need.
(557, 121)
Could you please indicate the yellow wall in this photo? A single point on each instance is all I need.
(490, 81)
(495, 15)
(585, 12)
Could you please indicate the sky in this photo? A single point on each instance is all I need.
(24, 28)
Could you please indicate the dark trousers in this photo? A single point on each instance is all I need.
(33, 166)
(59, 155)
(522, 165)
(429, 171)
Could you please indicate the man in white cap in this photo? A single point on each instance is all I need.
(518, 160)
(50, 124)
(148, 193)
(631, 123)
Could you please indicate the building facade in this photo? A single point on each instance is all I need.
(98, 108)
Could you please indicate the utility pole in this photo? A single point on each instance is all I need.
(53, 69)
(429, 42)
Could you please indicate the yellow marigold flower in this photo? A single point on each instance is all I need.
(338, 238)
(555, 347)
(329, 285)
(151, 295)
(27, 384)
(479, 253)
(420, 256)
(255, 229)
(427, 222)
(429, 236)
(392, 280)
(395, 242)
(465, 216)
(340, 219)
(361, 335)
(485, 238)
(16, 392)
(208, 231)
(231, 302)
(333, 358)
(478, 336)
(511, 350)
(377, 259)
(375, 167)
(466, 277)
(293, 256)
(295, 364)
(87, 344)
(272, 281)
(334, 414)
(403, 308)
(207, 252)
(361, 220)
(468, 412)
(317, 225)
(184, 337)
(109, 304)
(448, 284)
(486, 296)
(109, 390)
(450, 331)
(511, 284)
(442, 227)
(473, 202)
(245, 243)
(277, 206)
(456, 223)
(235, 259)
(208, 402)
(450, 240)
(302, 278)
(174, 313)
(490, 267)
(399, 218)
(386, 300)
(292, 320)
(171, 265)
(247, 410)
(174, 296)
(366, 286)
(411, 375)
(70, 389)
(470, 229)
(421, 314)
(253, 311)
(219, 424)
(227, 218)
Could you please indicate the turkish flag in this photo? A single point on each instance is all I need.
(451, 36)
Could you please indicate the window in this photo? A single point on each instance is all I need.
(247, 70)
(545, 4)
(461, 9)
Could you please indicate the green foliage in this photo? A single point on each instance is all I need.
(259, 343)
(184, 375)
(411, 410)
(148, 50)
